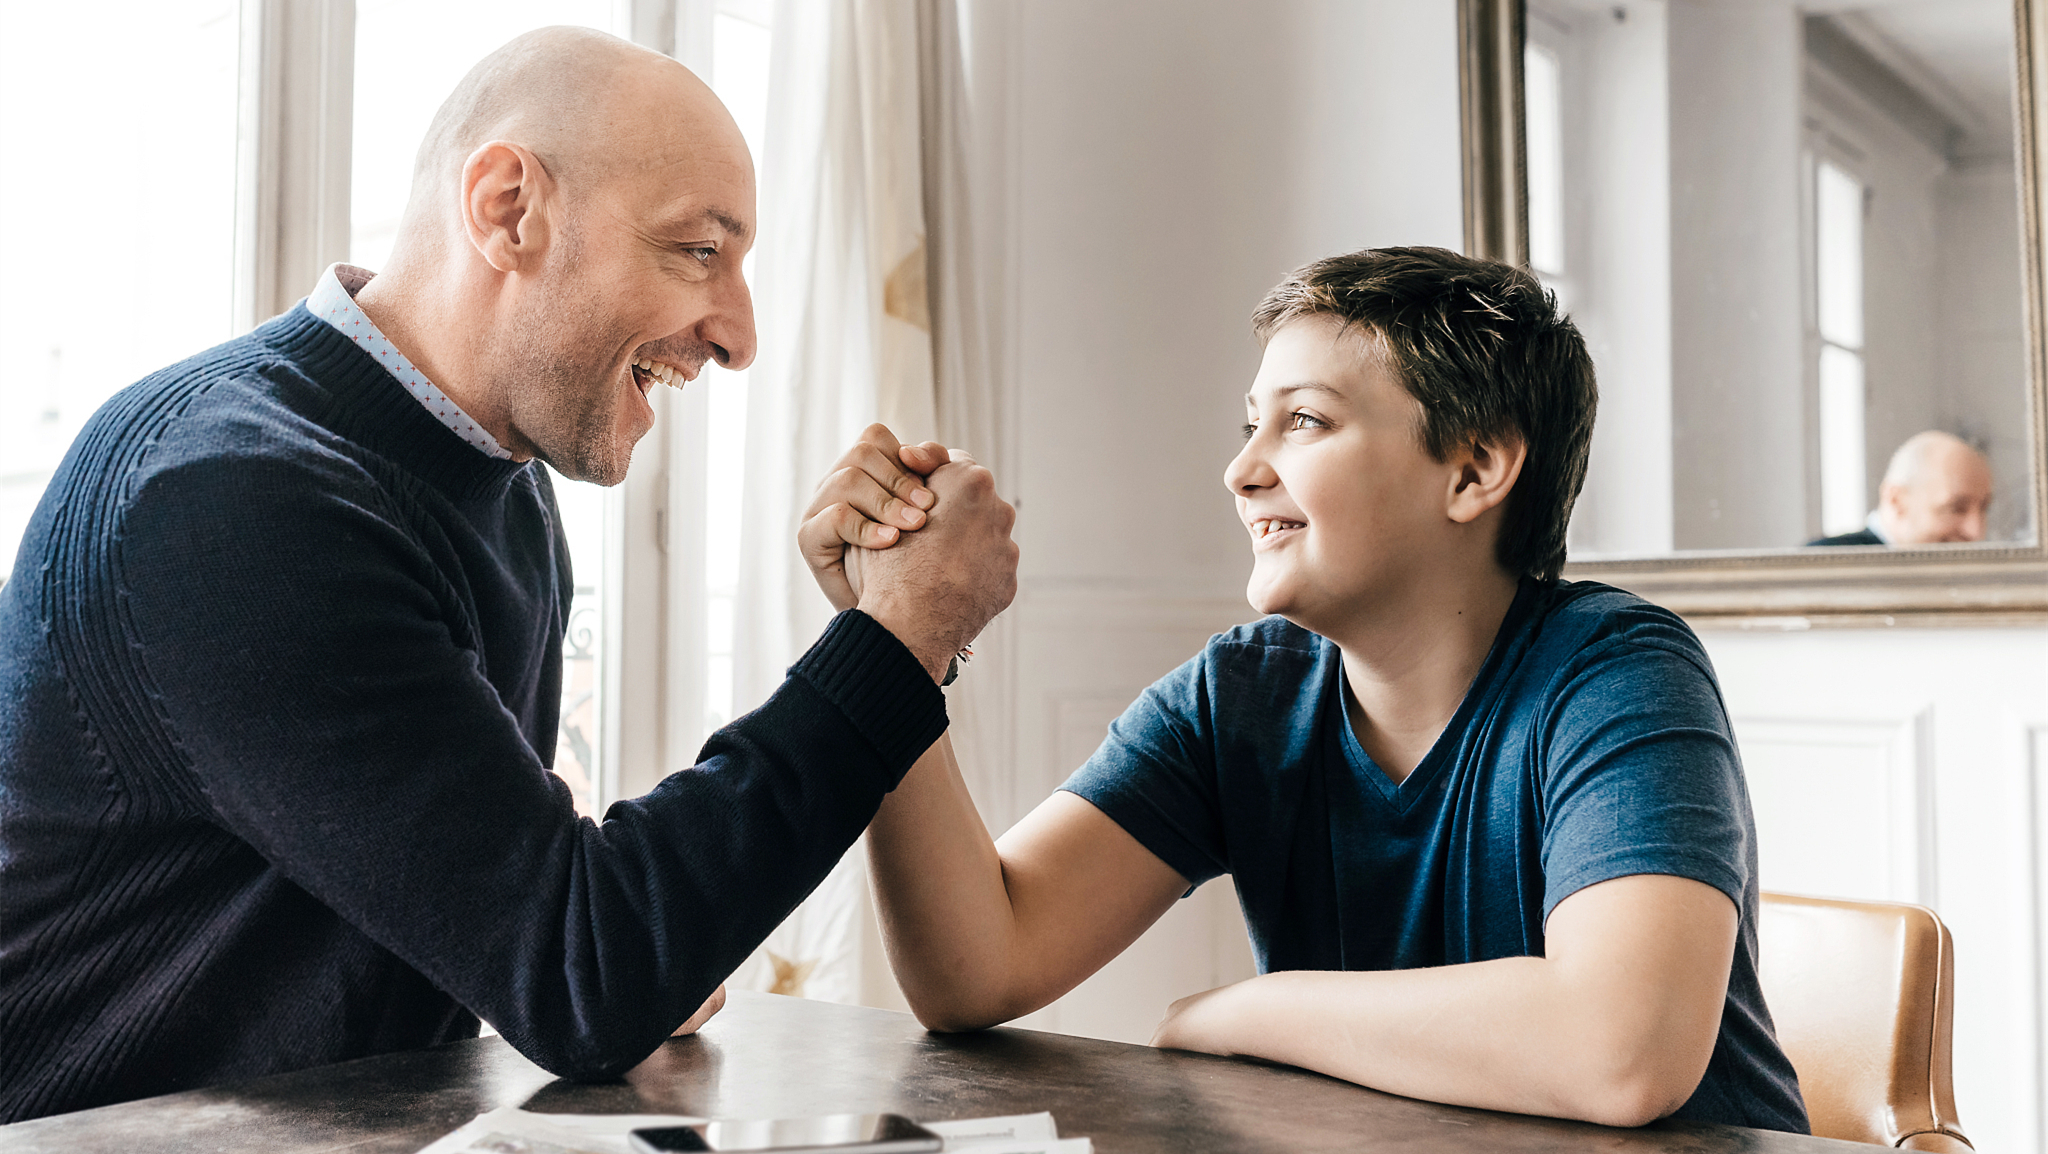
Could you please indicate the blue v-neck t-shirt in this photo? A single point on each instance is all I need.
(1592, 745)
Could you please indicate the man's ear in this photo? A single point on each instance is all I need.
(506, 197)
(1482, 474)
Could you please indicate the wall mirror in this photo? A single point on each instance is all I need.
(1803, 239)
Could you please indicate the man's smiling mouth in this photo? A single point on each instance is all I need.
(646, 372)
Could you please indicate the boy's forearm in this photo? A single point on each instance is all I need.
(945, 912)
(1615, 1025)
(1496, 1035)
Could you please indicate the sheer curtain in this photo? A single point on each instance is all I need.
(858, 167)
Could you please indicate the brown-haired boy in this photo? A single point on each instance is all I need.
(1489, 829)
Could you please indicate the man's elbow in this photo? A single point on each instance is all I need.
(592, 1056)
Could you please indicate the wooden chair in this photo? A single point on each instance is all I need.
(1863, 994)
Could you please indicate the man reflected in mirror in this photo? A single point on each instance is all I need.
(1936, 491)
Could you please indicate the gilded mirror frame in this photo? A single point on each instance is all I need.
(1986, 584)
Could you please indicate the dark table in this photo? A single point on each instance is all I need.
(769, 1057)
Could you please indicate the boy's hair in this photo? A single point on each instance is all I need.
(1482, 348)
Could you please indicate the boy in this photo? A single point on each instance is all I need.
(1489, 830)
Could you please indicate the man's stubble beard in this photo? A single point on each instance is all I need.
(575, 401)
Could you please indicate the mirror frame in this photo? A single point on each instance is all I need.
(1947, 585)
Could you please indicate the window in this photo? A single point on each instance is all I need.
(739, 74)
(1838, 312)
(107, 280)
(100, 293)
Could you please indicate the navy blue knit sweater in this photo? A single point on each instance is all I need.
(279, 669)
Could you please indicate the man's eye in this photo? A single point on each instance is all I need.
(702, 254)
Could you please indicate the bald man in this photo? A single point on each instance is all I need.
(280, 660)
(1936, 490)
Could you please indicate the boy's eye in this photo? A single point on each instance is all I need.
(1249, 430)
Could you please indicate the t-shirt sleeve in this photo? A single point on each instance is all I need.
(1155, 774)
(1641, 775)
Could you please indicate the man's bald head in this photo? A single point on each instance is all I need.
(580, 213)
(588, 104)
(1935, 490)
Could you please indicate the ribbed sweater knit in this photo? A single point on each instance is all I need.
(280, 665)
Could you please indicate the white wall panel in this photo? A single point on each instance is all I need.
(1843, 807)
(1835, 727)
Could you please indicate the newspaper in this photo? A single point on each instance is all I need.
(509, 1130)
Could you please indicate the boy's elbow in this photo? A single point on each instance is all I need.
(1632, 1101)
(1638, 1089)
(958, 1012)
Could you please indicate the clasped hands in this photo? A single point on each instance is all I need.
(915, 537)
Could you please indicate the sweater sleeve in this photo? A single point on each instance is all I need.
(305, 664)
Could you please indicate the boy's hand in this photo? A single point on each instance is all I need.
(872, 496)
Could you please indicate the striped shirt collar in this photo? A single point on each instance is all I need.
(334, 301)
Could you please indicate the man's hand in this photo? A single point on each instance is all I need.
(712, 1005)
(936, 588)
(872, 496)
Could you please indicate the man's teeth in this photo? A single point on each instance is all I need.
(666, 374)
(1266, 525)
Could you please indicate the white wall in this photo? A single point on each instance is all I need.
(1737, 344)
(1912, 765)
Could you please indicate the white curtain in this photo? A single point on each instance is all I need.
(844, 301)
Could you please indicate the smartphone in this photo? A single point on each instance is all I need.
(831, 1134)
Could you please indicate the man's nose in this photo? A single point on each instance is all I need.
(1973, 526)
(730, 327)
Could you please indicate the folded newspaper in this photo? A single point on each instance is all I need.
(510, 1130)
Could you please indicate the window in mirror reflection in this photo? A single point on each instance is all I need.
(1838, 301)
(1701, 174)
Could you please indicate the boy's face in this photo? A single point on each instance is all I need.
(1345, 507)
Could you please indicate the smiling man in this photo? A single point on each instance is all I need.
(280, 659)
(1488, 828)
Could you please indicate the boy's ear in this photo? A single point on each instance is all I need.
(1482, 473)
